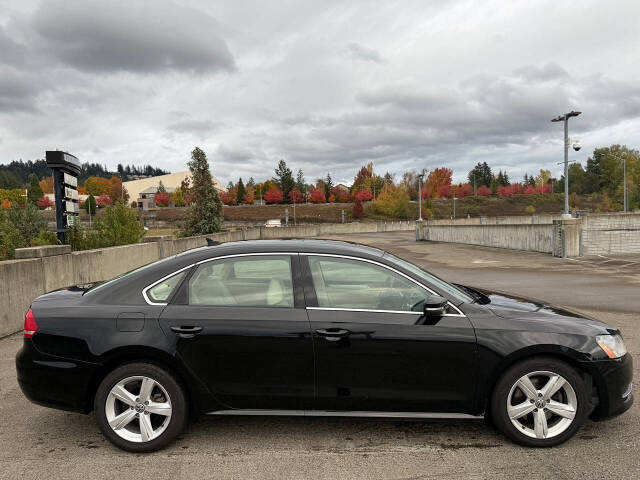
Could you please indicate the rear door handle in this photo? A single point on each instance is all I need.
(333, 334)
(186, 331)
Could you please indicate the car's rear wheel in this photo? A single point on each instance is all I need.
(540, 402)
(140, 407)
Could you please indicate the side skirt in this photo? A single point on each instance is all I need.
(334, 413)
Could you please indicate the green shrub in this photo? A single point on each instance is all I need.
(44, 238)
(28, 221)
(10, 237)
(117, 225)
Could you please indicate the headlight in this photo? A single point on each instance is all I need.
(613, 345)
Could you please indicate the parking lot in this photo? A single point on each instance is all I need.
(36, 442)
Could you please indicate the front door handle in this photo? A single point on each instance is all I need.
(333, 334)
(186, 331)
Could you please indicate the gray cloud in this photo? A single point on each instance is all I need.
(359, 52)
(328, 86)
(131, 36)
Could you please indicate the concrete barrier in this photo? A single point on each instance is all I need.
(43, 269)
(602, 234)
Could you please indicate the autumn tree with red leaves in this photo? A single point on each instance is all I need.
(438, 178)
(274, 195)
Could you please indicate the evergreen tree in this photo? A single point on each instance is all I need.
(284, 178)
(161, 188)
(328, 185)
(34, 192)
(90, 205)
(240, 193)
(251, 182)
(205, 214)
(482, 175)
(300, 184)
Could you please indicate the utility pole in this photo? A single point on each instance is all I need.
(624, 178)
(454, 205)
(420, 177)
(565, 118)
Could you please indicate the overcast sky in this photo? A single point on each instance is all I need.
(325, 85)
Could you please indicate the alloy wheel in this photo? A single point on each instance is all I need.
(138, 409)
(542, 404)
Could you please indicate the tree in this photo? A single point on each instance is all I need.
(161, 188)
(273, 195)
(543, 178)
(240, 192)
(90, 205)
(502, 179)
(8, 180)
(178, 197)
(34, 192)
(484, 191)
(295, 196)
(44, 202)
(161, 199)
(438, 178)
(117, 192)
(357, 209)
(118, 225)
(364, 195)
(104, 200)
(577, 178)
(205, 213)
(317, 196)
(28, 221)
(363, 174)
(464, 190)
(300, 183)
(284, 178)
(328, 185)
(392, 202)
(46, 184)
(97, 186)
(481, 175)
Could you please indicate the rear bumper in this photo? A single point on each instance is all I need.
(54, 381)
(614, 382)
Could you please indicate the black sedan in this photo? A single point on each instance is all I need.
(314, 328)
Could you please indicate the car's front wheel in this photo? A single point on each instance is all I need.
(140, 407)
(539, 402)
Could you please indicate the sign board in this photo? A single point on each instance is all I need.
(70, 193)
(70, 207)
(70, 180)
(65, 168)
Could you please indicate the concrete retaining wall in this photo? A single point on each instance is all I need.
(611, 234)
(531, 237)
(23, 280)
(593, 234)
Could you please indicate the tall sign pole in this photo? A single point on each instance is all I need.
(65, 168)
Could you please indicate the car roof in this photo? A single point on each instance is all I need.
(293, 245)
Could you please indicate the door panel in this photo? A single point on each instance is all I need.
(244, 332)
(248, 357)
(389, 362)
(373, 351)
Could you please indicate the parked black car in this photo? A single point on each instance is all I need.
(311, 327)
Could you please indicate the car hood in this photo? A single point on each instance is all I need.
(515, 307)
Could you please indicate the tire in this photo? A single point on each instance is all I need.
(130, 423)
(560, 414)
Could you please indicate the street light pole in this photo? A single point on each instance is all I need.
(565, 118)
(420, 177)
(624, 178)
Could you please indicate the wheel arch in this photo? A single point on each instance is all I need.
(567, 355)
(144, 354)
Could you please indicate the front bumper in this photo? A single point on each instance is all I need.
(613, 379)
(53, 381)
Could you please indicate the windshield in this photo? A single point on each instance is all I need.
(431, 279)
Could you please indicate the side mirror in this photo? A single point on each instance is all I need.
(435, 307)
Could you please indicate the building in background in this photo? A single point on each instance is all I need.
(143, 190)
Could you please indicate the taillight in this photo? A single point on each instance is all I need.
(30, 325)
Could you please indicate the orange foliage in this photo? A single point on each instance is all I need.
(438, 178)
